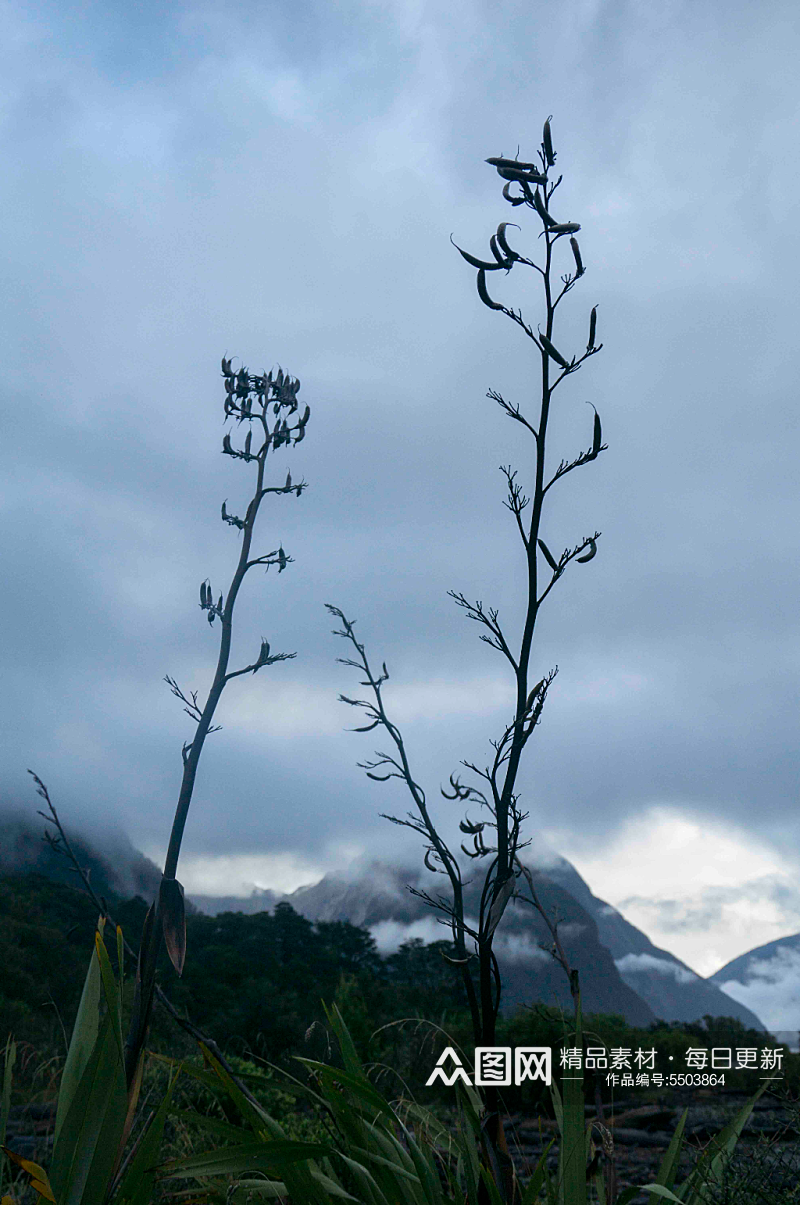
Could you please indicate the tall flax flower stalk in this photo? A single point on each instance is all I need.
(268, 409)
(495, 840)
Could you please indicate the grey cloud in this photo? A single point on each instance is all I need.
(282, 189)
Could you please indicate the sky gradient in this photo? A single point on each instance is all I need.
(278, 182)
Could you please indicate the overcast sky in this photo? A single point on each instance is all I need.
(277, 181)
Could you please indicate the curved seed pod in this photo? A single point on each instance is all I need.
(279, 378)
(565, 228)
(247, 442)
(510, 199)
(533, 694)
(484, 296)
(467, 827)
(592, 328)
(301, 434)
(428, 854)
(514, 173)
(501, 239)
(590, 554)
(496, 252)
(203, 588)
(230, 384)
(226, 444)
(211, 614)
(514, 164)
(547, 141)
(288, 484)
(305, 417)
(281, 560)
(219, 604)
(476, 263)
(226, 367)
(576, 251)
(548, 556)
(540, 209)
(553, 352)
(224, 512)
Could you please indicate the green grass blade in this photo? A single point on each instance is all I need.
(83, 1041)
(669, 1165)
(136, 1187)
(84, 1156)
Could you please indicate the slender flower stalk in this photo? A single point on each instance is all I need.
(248, 401)
(497, 839)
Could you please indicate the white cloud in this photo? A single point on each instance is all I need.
(707, 891)
(772, 989)
(648, 962)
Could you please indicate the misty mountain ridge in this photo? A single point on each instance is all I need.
(621, 970)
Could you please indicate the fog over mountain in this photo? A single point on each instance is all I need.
(767, 979)
(621, 970)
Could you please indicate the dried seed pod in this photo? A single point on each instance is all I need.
(224, 512)
(565, 228)
(203, 591)
(226, 367)
(219, 605)
(514, 173)
(497, 253)
(301, 434)
(514, 164)
(598, 435)
(501, 239)
(477, 263)
(552, 351)
(484, 296)
(305, 417)
(281, 560)
(226, 444)
(247, 442)
(548, 556)
(591, 553)
(540, 209)
(576, 251)
(533, 694)
(592, 328)
(510, 199)
(288, 484)
(547, 142)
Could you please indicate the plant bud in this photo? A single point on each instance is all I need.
(576, 251)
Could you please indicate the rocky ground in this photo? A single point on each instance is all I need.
(640, 1134)
(767, 1162)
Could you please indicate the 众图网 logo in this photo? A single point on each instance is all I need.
(494, 1065)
